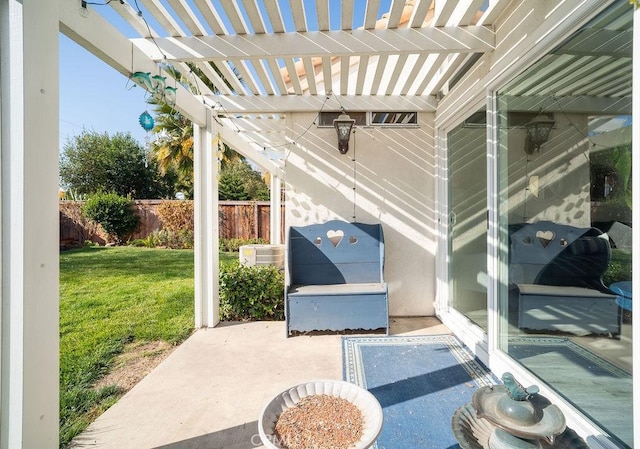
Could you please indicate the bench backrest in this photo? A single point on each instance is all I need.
(555, 254)
(336, 252)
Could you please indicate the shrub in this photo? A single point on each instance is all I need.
(251, 293)
(113, 212)
(165, 238)
(176, 216)
(139, 243)
(233, 245)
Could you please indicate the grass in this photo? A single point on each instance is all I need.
(619, 267)
(110, 297)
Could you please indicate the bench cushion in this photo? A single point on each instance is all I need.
(555, 291)
(338, 289)
(575, 310)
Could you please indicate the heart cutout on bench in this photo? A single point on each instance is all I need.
(335, 237)
(545, 237)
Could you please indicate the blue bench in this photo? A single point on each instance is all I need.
(557, 271)
(335, 278)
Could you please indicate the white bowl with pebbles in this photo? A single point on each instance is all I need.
(321, 414)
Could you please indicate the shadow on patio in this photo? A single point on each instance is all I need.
(210, 391)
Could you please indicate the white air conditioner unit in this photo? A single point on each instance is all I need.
(252, 255)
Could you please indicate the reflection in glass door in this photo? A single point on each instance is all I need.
(566, 222)
(468, 219)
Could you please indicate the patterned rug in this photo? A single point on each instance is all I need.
(420, 381)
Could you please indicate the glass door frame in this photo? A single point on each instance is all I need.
(635, 170)
(486, 345)
(466, 330)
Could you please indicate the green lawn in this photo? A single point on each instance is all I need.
(110, 297)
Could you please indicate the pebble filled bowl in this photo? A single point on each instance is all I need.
(358, 396)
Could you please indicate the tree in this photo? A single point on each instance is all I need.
(173, 148)
(93, 162)
(173, 145)
(238, 181)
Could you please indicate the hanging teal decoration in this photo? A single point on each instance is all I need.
(146, 121)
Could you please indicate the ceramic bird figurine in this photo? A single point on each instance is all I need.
(515, 390)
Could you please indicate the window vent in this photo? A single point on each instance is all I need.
(382, 118)
(394, 118)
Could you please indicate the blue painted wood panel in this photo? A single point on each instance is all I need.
(358, 256)
(336, 278)
(336, 313)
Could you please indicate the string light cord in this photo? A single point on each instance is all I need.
(526, 188)
(139, 12)
(277, 145)
(84, 3)
(574, 126)
(335, 97)
(141, 15)
(354, 175)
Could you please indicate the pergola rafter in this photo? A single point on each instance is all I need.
(470, 39)
(249, 49)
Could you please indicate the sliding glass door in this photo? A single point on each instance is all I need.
(564, 132)
(467, 173)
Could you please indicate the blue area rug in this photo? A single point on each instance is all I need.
(419, 381)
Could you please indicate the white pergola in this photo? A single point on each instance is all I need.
(259, 60)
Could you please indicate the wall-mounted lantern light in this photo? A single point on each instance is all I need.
(343, 125)
(538, 130)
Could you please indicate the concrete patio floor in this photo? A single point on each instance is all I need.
(209, 392)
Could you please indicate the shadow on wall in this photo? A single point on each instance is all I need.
(388, 177)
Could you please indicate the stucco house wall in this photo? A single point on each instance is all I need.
(391, 181)
(553, 183)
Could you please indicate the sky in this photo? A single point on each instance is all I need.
(95, 97)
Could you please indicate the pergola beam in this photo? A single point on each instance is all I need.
(313, 103)
(570, 104)
(232, 138)
(102, 39)
(462, 39)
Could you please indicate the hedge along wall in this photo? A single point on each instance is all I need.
(237, 219)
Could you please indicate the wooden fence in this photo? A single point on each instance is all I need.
(246, 220)
(237, 219)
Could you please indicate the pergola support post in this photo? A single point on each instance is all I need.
(275, 224)
(205, 192)
(29, 387)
